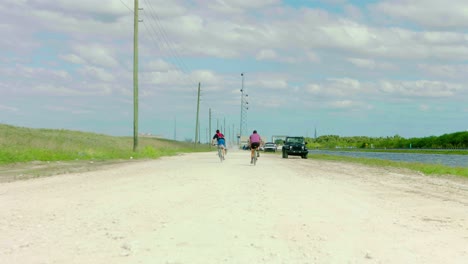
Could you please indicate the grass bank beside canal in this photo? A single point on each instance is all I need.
(428, 169)
(417, 151)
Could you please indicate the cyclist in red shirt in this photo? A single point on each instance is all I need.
(219, 137)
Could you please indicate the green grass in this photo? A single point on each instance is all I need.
(428, 169)
(18, 144)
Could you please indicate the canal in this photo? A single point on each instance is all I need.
(443, 159)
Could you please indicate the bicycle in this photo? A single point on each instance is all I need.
(256, 155)
(220, 153)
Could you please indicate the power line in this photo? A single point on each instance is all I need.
(164, 37)
(157, 33)
(126, 6)
(161, 33)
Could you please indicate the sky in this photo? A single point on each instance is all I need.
(373, 68)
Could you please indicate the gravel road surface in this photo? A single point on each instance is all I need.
(192, 208)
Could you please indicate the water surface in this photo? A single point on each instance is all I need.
(443, 159)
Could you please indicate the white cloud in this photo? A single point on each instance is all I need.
(312, 56)
(68, 109)
(206, 77)
(370, 64)
(337, 87)
(294, 30)
(349, 105)
(274, 83)
(85, 6)
(342, 104)
(424, 107)
(73, 58)
(33, 73)
(269, 102)
(353, 12)
(52, 89)
(8, 108)
(421, 88)
(363, 63)
(97, 73)
(97, 54)
(271, 55)
(457, 71)
(348, 34)
(335, 2)
(428, 13)
(351, 88)
(185, 25)
(266, 54)
(238, 6)
(158, 65)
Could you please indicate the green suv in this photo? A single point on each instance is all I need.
(295, 146)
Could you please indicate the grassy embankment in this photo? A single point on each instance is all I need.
(18, 144)
(27, 153)
(428, 169)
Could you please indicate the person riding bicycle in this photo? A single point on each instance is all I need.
(221, 141)
(254, 142)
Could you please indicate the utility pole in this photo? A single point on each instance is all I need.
(135, 77)
(198, 109)
(244, 108)
(209, 116)
(175, 128)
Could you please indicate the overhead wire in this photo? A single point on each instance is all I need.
(179, 62)
(179, 65)
(159, 33)
(164, 37)
(156, 31)
(126, 6)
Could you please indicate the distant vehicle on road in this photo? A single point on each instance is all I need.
(269, 146)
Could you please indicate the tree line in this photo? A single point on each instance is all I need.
(458, 140)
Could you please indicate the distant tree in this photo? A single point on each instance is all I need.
(453, 140)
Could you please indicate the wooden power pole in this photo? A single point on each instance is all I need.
(135, 78)
(197, 123)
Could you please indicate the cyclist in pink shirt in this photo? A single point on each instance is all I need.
(254, 142)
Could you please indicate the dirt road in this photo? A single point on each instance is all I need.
(194, 209)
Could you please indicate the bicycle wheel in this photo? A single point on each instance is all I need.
(255, 157)
(220, 154)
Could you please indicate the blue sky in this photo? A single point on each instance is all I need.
(342, 67)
